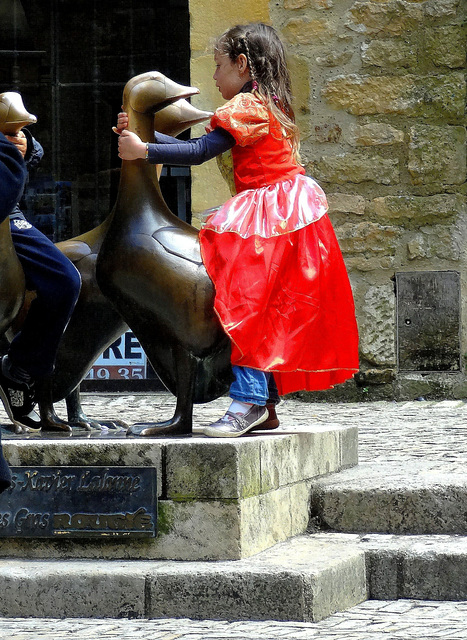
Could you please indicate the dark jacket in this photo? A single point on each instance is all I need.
(33, 156)
(12, 176)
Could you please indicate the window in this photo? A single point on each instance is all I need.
(70, 61)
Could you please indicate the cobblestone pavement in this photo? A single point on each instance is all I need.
(389, 432)
(373, 620)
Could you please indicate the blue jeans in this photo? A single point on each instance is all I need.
(251, 385)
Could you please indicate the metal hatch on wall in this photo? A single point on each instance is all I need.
(428, 321)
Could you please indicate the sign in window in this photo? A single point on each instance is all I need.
(123, 360)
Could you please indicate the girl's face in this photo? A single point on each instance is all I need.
(230, 76)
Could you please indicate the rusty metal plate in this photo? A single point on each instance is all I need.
(80, 502)
(428, 321)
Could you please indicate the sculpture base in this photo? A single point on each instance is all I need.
(218, 499)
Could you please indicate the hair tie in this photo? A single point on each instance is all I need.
(254, 86)
(275, 99)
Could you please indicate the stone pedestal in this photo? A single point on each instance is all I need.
(218, 499)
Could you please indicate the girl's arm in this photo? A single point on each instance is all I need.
(162, 138)
(177, 152)
(190, 152)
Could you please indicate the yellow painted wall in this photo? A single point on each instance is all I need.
(206, 23)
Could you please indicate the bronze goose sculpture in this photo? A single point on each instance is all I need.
(150, 267)
(95, 323)
(14, 304)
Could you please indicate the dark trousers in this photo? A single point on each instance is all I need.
(57, 283)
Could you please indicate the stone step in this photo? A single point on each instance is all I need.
(305, 579)
(391, 498)
(416, 567)
(218, 499)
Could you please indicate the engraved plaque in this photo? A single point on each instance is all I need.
(80, 502)
(428, 321)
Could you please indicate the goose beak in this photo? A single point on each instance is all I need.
(178, 91)
(178, 117)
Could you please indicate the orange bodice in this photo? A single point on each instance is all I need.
(262, 155)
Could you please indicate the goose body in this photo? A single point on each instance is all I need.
(95, 322)
(12, 285)
(150, 268)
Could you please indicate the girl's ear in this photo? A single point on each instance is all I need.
(242, 63)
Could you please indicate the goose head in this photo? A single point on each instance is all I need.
(151, 91)
(13, 114)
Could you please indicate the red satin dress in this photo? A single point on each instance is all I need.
(282, 291)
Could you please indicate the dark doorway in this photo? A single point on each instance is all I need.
(70, 60)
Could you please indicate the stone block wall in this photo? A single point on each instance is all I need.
(380, 99)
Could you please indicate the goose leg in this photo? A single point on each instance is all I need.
(78, 418)
(49, 419)
(76, 415)
(182, 421)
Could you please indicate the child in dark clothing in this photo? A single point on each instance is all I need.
(56, 282)
(12, 174)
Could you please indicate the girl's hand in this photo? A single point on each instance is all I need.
(122, 123)
(130, 147)
(20, 141)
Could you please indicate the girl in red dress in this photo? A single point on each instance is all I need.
(282, 291)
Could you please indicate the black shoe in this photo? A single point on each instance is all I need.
(18, 400)
(233, 425)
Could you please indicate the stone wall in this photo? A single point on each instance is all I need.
(380, 99)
